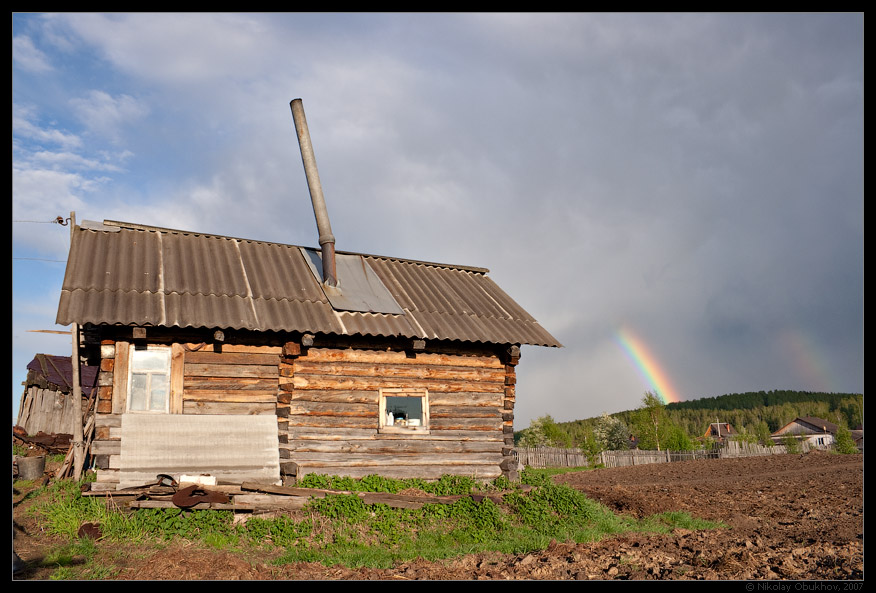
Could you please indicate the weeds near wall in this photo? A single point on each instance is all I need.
(343, 529)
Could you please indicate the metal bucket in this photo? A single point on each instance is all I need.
(31, 468)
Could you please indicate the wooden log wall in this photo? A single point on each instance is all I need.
(326, 398)
(331, 392)
(237, 380)
(206, 378)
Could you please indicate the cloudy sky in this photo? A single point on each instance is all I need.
(678, 198)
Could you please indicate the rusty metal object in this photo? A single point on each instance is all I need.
(193, 495)
(90, 530)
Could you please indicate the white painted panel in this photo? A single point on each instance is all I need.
(232, 448)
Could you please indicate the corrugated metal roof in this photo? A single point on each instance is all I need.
(121, 273)
(807, 425)
(56, 371)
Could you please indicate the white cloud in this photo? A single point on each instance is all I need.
(26, 56)
(103, 114)
(24, 125)
(182, 48)
(46, 189)
(69, 160)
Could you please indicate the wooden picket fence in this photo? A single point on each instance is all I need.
(636, 457)
(541, 457)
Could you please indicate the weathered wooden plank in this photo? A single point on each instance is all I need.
(436, 412)
(107, 478)
(339, 397)
(398, 357)
(408, 459)
(48, 411)
(269, 502)
(230, 383)
(230, 370)
(368, 410)
(328, 433)
(106, 447)
(227, 348)
(480, 472)
(437, 424)
(387, 498)
(358, 369)
(464, 398)
(390, 447)
(167, 504)
(322, 382)
(300, 420)
(249, 396)
(457, 398)
(245, 358)
(177, 364)
(466, 424)
(229, 408)
(120, 378)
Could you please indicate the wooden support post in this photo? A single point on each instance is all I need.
(78, 443)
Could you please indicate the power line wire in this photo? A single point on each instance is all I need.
(57, 220)
(41, 259)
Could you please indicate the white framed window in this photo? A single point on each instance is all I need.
(149, 379)
(403, 411)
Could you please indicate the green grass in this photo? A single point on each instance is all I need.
(555, 471)
(341, 529)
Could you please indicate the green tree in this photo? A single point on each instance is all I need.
(648, 419)
(544, 432)
(655, 428)
(762, 432)
(844, 442)
(792, 444)
(676, 439)
(611, 433)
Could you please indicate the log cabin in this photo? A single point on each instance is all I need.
(234, 358)
(264, 362)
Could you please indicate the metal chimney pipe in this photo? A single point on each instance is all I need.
(326, 238)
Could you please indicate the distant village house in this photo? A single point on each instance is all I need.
(816, 431)
(720, 432)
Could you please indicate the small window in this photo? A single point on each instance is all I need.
(404, 411)
(149, 379)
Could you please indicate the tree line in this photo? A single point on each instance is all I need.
(681, 426)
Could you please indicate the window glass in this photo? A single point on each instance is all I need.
(404, 410)
(151, 359)
(137, 394)
(150, 380)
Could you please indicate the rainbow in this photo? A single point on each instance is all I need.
(647, 365)
(807, 361)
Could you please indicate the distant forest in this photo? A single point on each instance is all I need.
(752, 413)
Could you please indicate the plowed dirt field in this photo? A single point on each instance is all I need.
(786, 516)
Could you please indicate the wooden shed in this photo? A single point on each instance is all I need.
(47, 401)
(235, 358)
